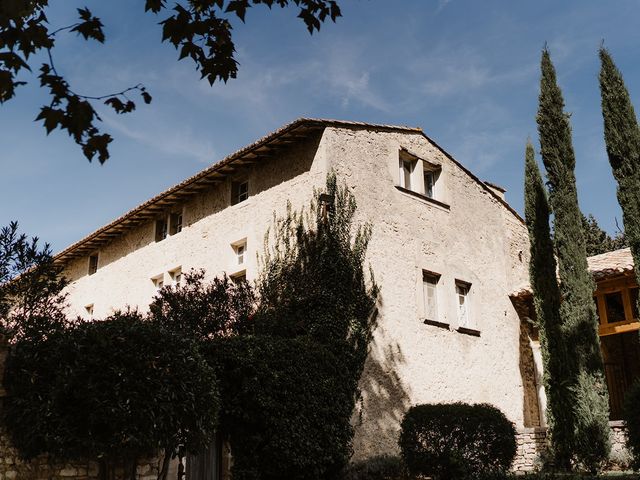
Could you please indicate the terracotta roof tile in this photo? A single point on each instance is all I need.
(603, 266)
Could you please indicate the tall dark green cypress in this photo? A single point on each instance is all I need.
(546, 294)
(577, 310)
(622, 137)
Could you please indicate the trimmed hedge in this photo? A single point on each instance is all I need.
(113, 389)
(286, 407)
(453, 441)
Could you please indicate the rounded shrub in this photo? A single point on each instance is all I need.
(458, 440)
(632, 421)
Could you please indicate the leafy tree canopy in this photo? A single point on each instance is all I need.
(198, 29)
(31, 302)
(114, 389)
(204, 310)
(314, 282)
(289, 390)
(286, 407)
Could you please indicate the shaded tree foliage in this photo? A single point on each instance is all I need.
(313, 282)
(31, 284)
(631, 415)
(556, 355)
(622, 138)
(199, 29)
(598, 241)
(577, 310)
(115, 389)
(288, 392)
(286, 407)
(202, 309)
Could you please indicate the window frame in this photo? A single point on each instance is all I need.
(241, 250)
(624, 286)
(466, 286)
(158, 281)
(239, 261)
(161, 229)
(176, 276)
(418, 184)
(239, 195)
(169, 223)
(92, 266)
(430, 279)
(175, 222)
(406, 168)
(238, 277)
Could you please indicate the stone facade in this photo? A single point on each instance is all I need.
(532, 443)
(532, 448)
(464, 233)
(42, 468)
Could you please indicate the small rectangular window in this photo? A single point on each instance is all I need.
(462, 294)
(175, 223)
(161, 229)
(429, 183)
(239, 191)
(239, 277)
(406, 169)
(240, 250)
(158, 282)
(176, 276)
(430, 293)
(93, 264)
(615, 307)
(239, 254)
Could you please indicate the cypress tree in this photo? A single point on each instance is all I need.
(577, 310)
(546, 294)
(622, 137)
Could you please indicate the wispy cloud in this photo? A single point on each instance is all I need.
(337, 71)
(442, 4)
(167, 138)
(445, 73)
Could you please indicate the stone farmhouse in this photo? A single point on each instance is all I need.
(447, 251)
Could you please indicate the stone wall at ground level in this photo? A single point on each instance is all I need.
(532, 444)
(42, 468)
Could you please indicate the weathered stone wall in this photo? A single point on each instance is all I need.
(532, 443)
(532, 447)
(128, 264)
(473, 238)
(42, 468)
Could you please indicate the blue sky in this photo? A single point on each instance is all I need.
(466, 71)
